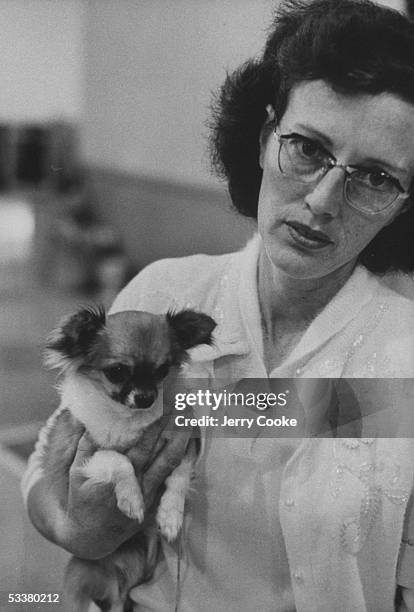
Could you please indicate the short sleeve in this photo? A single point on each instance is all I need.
(151, 290)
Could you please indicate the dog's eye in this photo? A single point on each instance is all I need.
(116, 374)
(163, 370)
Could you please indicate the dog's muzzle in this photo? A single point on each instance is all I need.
(141, 399)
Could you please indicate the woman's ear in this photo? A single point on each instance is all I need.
(264, 132)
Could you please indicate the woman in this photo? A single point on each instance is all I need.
(316, 141)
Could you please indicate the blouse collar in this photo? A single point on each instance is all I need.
(240, 329)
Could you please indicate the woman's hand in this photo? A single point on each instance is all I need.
(89, 524)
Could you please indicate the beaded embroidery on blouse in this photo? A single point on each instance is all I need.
(344, 361)
(380, 477)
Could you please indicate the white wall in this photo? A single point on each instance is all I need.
(41, 58)
(150, 68)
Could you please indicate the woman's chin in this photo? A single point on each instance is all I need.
(306, 266)
(295, 263)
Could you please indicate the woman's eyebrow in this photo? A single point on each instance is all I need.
(314, 133)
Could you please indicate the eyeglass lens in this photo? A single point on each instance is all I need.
(358, 191)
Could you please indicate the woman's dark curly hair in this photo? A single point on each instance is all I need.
(357, 47)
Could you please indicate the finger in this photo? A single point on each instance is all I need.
(64, 436)
(164, 463)
(140, 455)
(86, 448)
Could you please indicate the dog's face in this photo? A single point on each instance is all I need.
(128, 353)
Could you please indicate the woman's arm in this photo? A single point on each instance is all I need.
(95, 535)
(86, 520)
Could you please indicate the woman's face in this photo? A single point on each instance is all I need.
(364, 131)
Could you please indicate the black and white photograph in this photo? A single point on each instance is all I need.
(207, 305)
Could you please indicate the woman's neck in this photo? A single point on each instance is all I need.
(288, 306)
(294, 302)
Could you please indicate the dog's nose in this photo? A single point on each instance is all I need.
(144, 399)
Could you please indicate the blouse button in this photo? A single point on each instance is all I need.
(289, 502)
(298, 576)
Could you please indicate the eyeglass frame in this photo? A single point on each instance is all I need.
(332, 162)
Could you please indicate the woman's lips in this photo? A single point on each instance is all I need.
(306, 236)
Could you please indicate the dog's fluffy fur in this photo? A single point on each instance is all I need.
(111, 370)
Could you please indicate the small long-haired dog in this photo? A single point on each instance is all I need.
(112, 368)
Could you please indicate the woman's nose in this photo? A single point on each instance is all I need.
(326, 197)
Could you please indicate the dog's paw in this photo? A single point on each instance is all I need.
(131, 508)
(130, 501)
(170, 515)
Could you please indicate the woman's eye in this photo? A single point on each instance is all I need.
(306, 150)
(116, 374)
(373, 179)
(163, 370)
(377, 179)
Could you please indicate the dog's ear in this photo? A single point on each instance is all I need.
(76, 334)
(191, 328)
